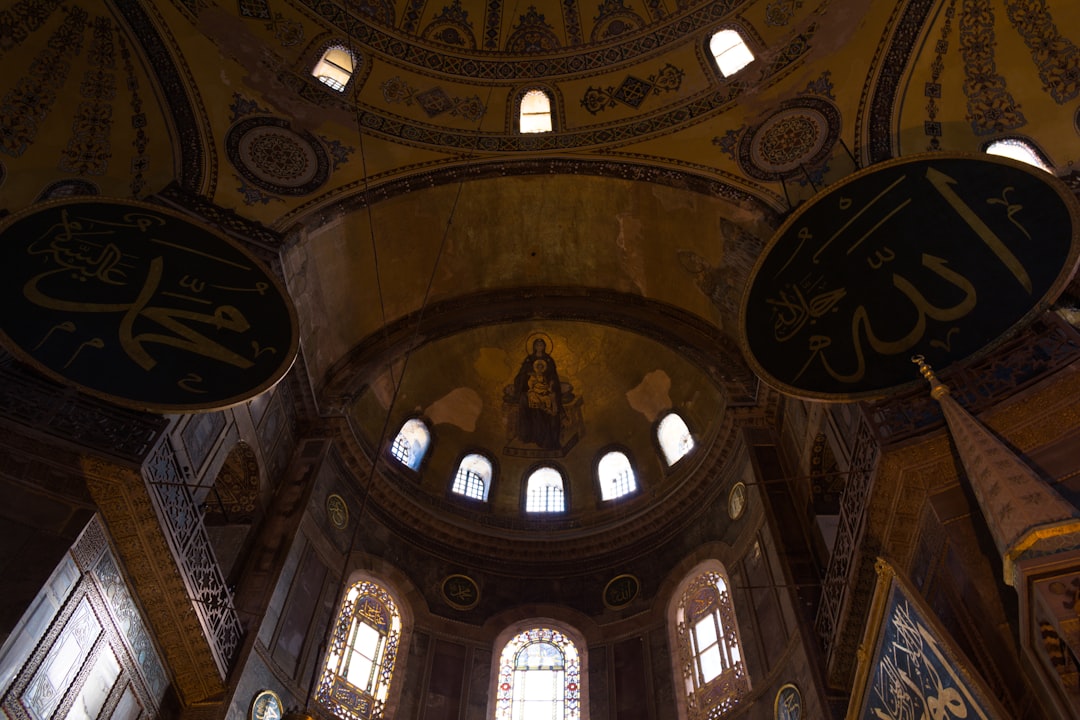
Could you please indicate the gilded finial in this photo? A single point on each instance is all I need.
(937, 389)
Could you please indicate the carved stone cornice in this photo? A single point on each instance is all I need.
(126, 508)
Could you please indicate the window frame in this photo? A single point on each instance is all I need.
(1026, 142)
(671, 466)
(458, 497)
(525, 491)
(320, 55)
(422, 464)
(519, 97)
(714, 59)
(599, 480)
(509, 635)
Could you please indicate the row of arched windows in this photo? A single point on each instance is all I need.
(544, 486)
(540, 667)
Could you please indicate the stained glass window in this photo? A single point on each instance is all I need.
(473, 477)
(334, 68)
(616, 476)
(730, 52)
(674, 438)
(708, 639)
(535, 113)
(544, 491)
(360, 664)
(539, 677)
(411, 443)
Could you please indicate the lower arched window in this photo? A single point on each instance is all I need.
(710, 655)
(360, 664)
(539, 677)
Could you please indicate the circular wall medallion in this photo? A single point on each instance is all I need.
(461, 592)
(267, 706)
(798, 136)
(788, 704)
(736, 501)
(620, 591)
(858, 281)
(274, 157)
(337, 510)
(141, 306)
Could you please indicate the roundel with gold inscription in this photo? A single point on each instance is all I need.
(938, 255)
(141, 306)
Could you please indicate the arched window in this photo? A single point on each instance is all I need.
(544, 491)
(539, 677)
(534, 114)
(473, 477)
(360, 662)
(730, 52)
(334, 68)
(411, 443)
(1018, 149)
(674, 438)
(707, 636)
(616, 476)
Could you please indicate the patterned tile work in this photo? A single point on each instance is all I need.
(88, 151)
(21, 19)
(798, 137)
(451, 27)
(615, 19)
(287, 32)
(411, 19)
(778, 13)
(258, 9)
(822, 87)
(433, 101)
(633, 91)
(30, 100)
(534, 34)
(173, 90)
(140, 161)
(572, 22)
(375, 40)
(1057, 58)
(991, 107)
(932, 89)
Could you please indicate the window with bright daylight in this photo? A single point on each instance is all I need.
(334, 68)
(411, 443)
(674, 438)
(360, 664)
(539, 678)
(535, 113)
(709, 646)
(616, 476)
(473, 477)
(730, 52)
(544, 491)
(1018, 149)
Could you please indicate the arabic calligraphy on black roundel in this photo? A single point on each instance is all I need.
(938, 255)
(141, 306)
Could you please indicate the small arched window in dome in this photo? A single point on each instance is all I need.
(730, 52)
(674, 438)
(544, 491)
(473, 477)
(411, 443)
(335, 68)
(616, 476)
(1018, 149)
(535, 113)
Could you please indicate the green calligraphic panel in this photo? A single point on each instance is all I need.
(141, 306)
(939, 255)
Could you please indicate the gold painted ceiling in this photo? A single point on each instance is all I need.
(423, 238)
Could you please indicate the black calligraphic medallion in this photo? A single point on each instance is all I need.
(141, 306)
(461, 592)
(620, 591)
(939, 255)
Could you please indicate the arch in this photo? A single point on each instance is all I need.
(616, 475)
(410, 445)
(674, 438)
(360, 662)
(729, 51)
(539, 673)
(545, 491)
(708, 657)
(535, 111)
(473, 477)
